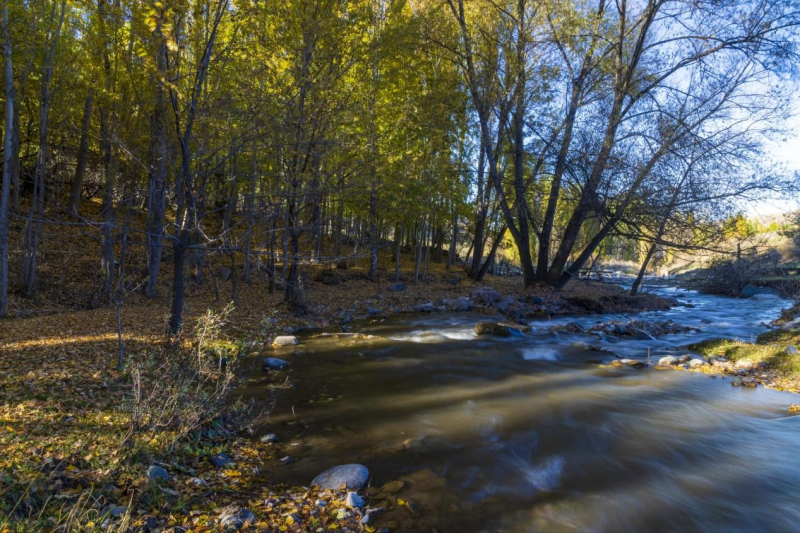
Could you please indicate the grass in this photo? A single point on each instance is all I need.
(770, 348)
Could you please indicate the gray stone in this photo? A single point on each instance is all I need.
(234, 518)
(458, 304)
(352, 476)
(373, 311)
(486, 295)
(273, 363)
(717, 361)
(269, 438)
(354, 501)
(696, 362)
(502, 305)
(423, 308)
(285, 340)
(220, 460)
(669, 360)
(791, 350)
(157, 472)
(683, 359)
(287, 460)
(397, 287)
(744, 365)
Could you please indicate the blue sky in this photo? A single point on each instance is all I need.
(788, 153)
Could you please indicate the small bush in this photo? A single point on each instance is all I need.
(184, 386)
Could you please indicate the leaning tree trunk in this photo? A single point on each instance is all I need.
(640, 276)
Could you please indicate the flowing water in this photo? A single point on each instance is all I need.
(521, 434)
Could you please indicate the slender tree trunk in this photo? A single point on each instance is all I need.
(250, 207)
(5, 186)
(478, 242)
(15, 148)
(640, 276)
(489, 263)
(107, 156)
(83, 152)
(451, 253)
(187, 219)
(36, 213)
(107, 208)
(418, 249)
(157, 182)
(398, 244)
(373, 238)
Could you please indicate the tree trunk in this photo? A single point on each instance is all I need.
(478, 242)
(640, 276)
(398, 244)
(36, 213)
(5, 186)
(83, 152)
(489, 263)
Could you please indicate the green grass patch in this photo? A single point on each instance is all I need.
(769, 347)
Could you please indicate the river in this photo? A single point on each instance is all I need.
(521, 434)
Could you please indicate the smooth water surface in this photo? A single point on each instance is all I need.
(527, 436)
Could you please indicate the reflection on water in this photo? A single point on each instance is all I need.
(526, 436)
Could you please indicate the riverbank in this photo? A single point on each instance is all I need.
(772, 361)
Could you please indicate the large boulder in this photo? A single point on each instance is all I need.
(486, 295)
(490, 328)
(285, 340)
(352, 476)
(750, 290)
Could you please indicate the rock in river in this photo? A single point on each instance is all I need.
(628, 362)
(285, 340)
(490, 328)
(352, 476)
(669, 360)
(273, 363)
